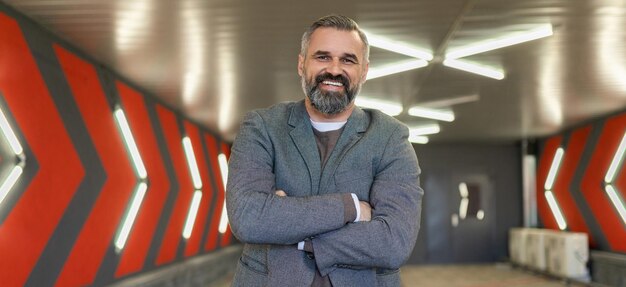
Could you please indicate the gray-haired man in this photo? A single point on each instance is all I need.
(321, 192)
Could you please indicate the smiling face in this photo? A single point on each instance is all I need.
(332, 70)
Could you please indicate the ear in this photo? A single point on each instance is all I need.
(300, 65)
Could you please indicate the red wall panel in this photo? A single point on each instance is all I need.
(547, 156)
(100, 228)
(193, 243)
(228, 234)
(174, 229)
(28, 226)
(139, 241)
(592, 184)
(562, 192)
(212, 239)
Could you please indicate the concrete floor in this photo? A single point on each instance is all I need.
(486, 275)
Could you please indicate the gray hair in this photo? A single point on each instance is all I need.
(338, 22)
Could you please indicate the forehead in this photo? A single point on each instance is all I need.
(336, 42)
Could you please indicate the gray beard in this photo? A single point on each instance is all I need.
(328, 103)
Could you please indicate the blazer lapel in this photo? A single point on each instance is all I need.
(304, 140)
(352, 133)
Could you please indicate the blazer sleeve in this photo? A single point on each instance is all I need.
(388, 239)
(255, 213)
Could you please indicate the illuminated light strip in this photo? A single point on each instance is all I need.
(386, 107)
(130, 216)
(10, 181)
(463, 190)
(130, 143)
(556, 211)
(617, 161)
(397, 47)
(617, 201)
(463, 208)
(191, 162)
(418, 139)
(193, 212)
(474, 68)
(435, 114)
(395, 68)
(221, 158)
(10, 135)
(554, 168)
(489, 45)
(464, 200)
(424, 130)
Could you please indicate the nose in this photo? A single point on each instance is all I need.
(334, 67)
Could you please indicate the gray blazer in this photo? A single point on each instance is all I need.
(276, 149)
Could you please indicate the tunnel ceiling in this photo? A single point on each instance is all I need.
(214, 60)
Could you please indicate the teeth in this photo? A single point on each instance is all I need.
(333, 83)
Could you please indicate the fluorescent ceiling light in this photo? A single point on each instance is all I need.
(617, 201)
(617, 161)
(397, 47)
(509, 40)
(450, 101)
(386, 107)
(193, 212)
(474, 68)
(10, 135)
(395, 68)
(556, 211)
(191, 162)
(130, 216)
(554, 168)
(130, 143)
(418, 139)
(435, 114)
(428, 129)
(10, 181)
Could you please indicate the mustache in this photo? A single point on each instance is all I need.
(328, 76)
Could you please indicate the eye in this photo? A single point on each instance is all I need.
(348, 61)
(322, 57)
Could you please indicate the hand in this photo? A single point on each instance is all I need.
(366, 211)
(280, 193)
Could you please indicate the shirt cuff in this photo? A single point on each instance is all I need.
(357, 206)
(301, 245)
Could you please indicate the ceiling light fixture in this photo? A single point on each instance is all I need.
(397, 47)
(443, 103)
(428, 129)
(418, 139)
(541, 31)
(435, 114)
(474, 68)
(391, 69)
(386, 107)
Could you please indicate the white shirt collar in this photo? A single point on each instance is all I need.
(327, 126)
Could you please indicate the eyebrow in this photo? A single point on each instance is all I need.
(345, 55)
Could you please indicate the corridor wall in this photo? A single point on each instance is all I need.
(68, 197)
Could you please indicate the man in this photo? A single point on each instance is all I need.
(321, 192)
